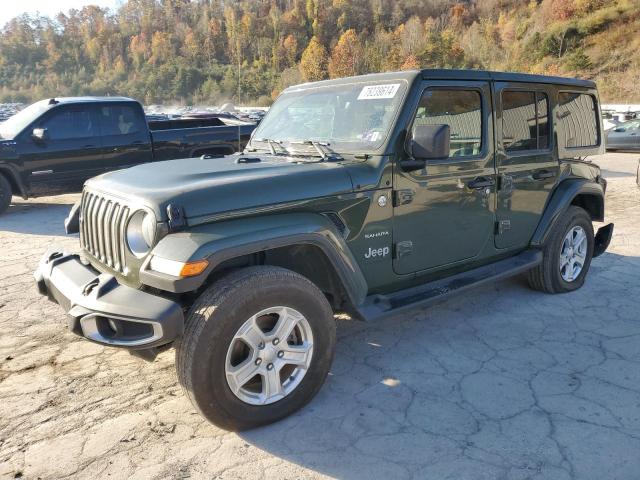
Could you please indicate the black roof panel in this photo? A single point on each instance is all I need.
(503, 77)
(91, 99)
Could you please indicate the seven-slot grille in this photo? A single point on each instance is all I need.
(102, 229)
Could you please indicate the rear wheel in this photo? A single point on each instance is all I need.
(5, 193)
(258, 345)
(567, 254)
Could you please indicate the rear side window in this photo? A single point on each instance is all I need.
(461, 110)
(119, 120)
(525, 120)
(70, 123)
(577, 116)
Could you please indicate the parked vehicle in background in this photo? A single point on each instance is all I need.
(625, 136)
(364, 195)
(54, 146)
(9, 109)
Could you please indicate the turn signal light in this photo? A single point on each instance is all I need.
(193, 268)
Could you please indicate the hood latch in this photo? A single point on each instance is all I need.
(177, 219)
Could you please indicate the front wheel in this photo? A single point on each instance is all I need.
(567, 254)
(5, 193)
(258, 345)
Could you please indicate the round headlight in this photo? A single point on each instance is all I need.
(141, 232)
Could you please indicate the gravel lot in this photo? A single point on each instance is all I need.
(503, 382)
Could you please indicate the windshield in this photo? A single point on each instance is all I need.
(15, 124)
(350, 117)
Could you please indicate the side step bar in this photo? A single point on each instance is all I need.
(376, 306)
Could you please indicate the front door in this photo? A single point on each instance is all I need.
(527, 164)
(443, 213)
(70, 153)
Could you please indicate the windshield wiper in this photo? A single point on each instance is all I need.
(271, 143)
(326, 153)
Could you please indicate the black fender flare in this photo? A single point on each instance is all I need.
(221, 241)
(561, 199)
(14, 177)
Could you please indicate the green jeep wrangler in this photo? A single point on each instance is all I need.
(362, 196)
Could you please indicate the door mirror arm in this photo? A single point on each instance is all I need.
(413, 164)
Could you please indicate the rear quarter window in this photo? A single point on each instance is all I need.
(578, 120)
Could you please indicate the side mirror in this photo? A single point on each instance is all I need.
(39, 134)
(427, 142)
(430, 142)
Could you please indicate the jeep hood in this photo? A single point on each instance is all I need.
(217, 185)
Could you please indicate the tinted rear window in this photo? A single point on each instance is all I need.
(577, 115)
(119, 120)
(525, 123)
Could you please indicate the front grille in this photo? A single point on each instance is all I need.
(102, 229)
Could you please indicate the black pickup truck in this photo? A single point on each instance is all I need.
(54, 145)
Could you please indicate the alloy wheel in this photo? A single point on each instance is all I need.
(573, 254)
(269, 355)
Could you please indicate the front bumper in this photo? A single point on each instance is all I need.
(104, 311)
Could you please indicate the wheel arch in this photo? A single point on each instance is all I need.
(14, 180)
(308, 244)
(582, 193)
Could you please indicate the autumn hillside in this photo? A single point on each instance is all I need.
(192, 51)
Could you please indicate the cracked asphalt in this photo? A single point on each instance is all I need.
(499, 383)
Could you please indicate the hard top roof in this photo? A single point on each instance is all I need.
(451, 74)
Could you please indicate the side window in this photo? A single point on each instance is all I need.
(578, 119)
(69, 123)
(525, 120)
(461, 110)
(119, 120)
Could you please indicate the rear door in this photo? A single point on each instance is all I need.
(527, 164)
(125, 135)
(444, 214)
(70, 154)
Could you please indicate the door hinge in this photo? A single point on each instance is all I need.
(403, 197)
(402, 249)
(502, 226)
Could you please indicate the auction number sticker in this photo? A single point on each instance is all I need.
(371, 92)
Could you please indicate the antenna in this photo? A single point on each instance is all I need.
(239, 85)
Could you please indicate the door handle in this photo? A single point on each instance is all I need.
(89, 146)
(480, 183)
(542, 174)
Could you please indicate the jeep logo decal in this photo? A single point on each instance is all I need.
(377, 252)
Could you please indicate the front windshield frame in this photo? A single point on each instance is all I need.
(293, 144)
(14, 125)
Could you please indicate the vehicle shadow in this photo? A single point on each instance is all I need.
(37, 217)
(421, 394)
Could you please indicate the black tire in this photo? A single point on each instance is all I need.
(5, 193)
(547, 277)
(211, 325)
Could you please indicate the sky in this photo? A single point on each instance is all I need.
(13, 8)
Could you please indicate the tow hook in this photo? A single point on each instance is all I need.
(90, 286)
(53, 256)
